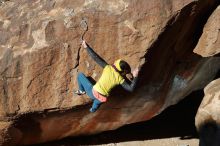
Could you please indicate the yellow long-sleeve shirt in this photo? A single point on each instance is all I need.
(109, 79)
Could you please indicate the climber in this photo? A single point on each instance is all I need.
(112, 75)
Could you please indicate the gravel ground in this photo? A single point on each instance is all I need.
(175, 141)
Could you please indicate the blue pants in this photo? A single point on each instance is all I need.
(85, 85)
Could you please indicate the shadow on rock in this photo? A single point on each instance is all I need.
(175, 121)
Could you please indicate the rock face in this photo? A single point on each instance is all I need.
(209, 42)
(40, 56)
(208, 115)
(207, 118)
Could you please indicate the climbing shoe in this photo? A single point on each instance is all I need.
(79, 92)
(92, 110)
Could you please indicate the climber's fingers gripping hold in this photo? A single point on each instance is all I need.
(84, 44)
(135, 72)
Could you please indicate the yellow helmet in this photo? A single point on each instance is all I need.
(117, 64)
(122, 66)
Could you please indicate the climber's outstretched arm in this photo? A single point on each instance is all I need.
(94, 55)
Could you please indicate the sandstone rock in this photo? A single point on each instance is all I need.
(210, 40)
(210, 107)
(207, 118)
(208, 115)
(40, 57)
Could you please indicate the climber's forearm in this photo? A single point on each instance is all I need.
(96, 57)
(130, 87)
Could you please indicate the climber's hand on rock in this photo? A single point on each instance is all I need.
(135, 72)
(84, 44)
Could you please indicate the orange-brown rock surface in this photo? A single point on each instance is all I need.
(40, 56)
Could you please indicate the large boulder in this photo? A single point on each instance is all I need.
(40, 56)
(208, 116)
(209, 42)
